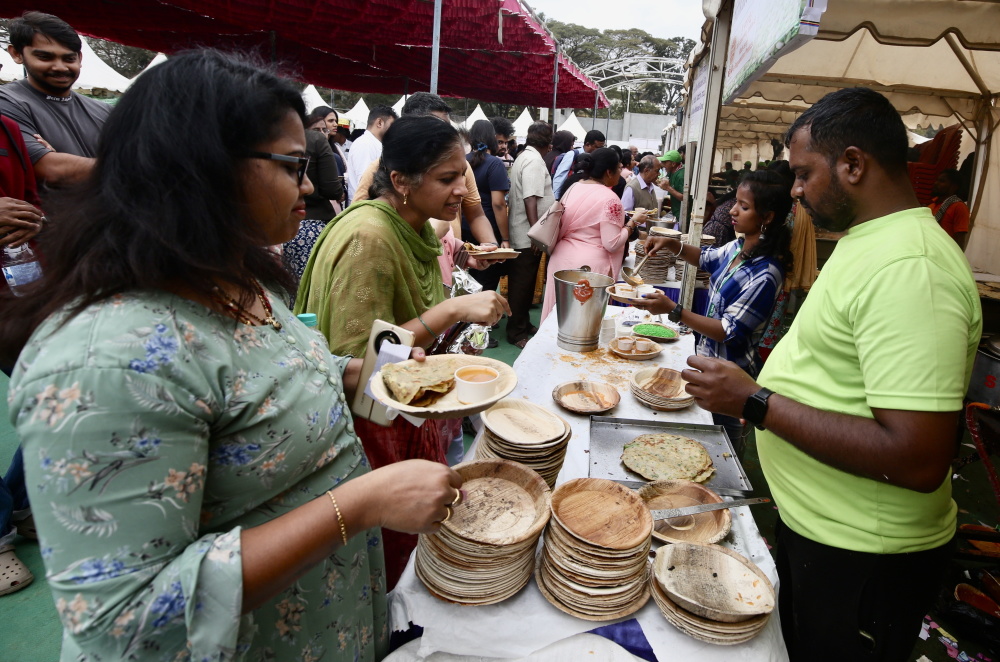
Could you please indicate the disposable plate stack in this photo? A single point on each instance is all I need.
(520, 431)
(657, 268)
(661, 389)
(701, 276)
(711, 593)
(485, 552)
(593, 564)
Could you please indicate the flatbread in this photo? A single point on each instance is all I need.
(418, 384)
(668, 457)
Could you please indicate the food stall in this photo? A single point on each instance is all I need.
(528, 622)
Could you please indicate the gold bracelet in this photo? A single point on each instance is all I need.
(340, 519)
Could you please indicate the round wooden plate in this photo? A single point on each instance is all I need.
(710, 527)
(623, 298)
(634, 354)
(498, 254)
(448, 406)
(713, 582)
(601, 512)
(506, 503)
(522, 422)
(585, 397)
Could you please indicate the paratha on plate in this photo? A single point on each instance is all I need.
(419, 384)
(668, 457)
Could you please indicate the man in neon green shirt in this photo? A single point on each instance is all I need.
(858, 435)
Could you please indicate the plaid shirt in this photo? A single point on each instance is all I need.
(743, 300)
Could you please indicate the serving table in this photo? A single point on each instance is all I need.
(527, 622)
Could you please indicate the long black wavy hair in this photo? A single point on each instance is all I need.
(164, 206)
(772, 192)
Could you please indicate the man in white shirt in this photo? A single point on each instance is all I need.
(368, 147)
(530, 196)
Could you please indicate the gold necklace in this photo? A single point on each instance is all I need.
(245, 316)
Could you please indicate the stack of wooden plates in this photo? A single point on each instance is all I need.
(701, 276)
(657, 267)
(594, 561)
(711, 593)
(661, 389)
(485, 552)
(520, 431)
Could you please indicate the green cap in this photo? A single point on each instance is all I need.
(309, 319)
(672, 155)
(747, 163)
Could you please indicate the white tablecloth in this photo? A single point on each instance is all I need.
(527, 622)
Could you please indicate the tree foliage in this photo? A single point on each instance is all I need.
(126, 60)
(588, 47)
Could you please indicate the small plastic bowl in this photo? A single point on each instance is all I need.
(474, 383)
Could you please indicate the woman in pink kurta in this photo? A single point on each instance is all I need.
(593, 230)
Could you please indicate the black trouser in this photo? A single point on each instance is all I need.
(521, 276)
(490, 277)
(840, 605)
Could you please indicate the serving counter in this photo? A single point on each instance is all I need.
(527, 622)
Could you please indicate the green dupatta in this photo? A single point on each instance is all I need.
(368, 264)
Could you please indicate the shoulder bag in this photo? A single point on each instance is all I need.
(545, 233)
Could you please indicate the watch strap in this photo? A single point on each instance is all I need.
(755, 408)
(675, 314)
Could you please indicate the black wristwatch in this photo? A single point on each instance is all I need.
(755, 408)
(675, 314)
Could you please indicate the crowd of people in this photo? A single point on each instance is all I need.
(189, 457)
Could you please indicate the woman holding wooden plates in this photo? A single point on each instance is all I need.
(195, 478)
(378, 260)
(747, 274)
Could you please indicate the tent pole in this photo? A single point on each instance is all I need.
(436, 47)
(593, 122)
(406, 86)
(555, 82)
(698, 166)
(607, 127)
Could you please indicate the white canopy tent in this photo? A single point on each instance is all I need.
(312, 98)
(10, 70)
(476, 115)
(521, 125)
(398, 106)
(937, 61)
(358, 114)
(96, 74)
(157, 60)
(572, 124)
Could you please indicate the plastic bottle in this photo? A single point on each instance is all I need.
(310, 320)
(20, 267)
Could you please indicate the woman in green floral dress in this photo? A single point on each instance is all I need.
(197, 485)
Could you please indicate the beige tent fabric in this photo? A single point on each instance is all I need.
(803, 251)
(938, 62)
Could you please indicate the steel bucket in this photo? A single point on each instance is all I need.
(580, 321)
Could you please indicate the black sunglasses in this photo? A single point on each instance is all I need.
(303, 161)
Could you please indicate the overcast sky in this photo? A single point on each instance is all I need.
(663, 18)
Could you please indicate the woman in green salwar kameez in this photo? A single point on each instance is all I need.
(379, 260)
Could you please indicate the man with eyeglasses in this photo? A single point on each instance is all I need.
(59, 126)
